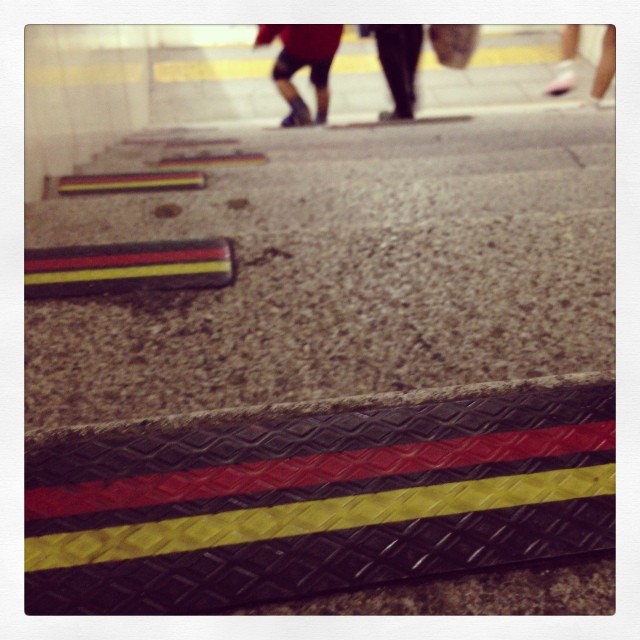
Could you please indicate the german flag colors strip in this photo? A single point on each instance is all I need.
(99, 269)
(226, 161)
(251, 525)
(83, 275)
(210, 482)
(219, 515)
(199, 143)
(127, 259)
(395, 123)
(131, 182)
(177, 142)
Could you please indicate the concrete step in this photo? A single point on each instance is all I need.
(330, 466)
(446, 271)
(236, 201)
(471, 193)
(374, 175)
(488, 133)
(450, 156)
(485, 146)
(430, 160)
(344, 312)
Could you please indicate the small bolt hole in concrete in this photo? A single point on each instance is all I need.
(167, 211)
(238, 203)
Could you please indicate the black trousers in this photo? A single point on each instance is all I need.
(399, 47)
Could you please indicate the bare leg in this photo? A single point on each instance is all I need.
(570, 41)
(607, 65)
(322, 96)
(287, 89)
(299, 111)
(566, 79)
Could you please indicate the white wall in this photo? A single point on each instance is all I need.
(85, 87)
(591, 42)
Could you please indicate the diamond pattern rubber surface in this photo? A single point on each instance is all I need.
(205, 161)
(206, 520)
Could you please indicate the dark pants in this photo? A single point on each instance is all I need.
(399, 47)
(287, 64)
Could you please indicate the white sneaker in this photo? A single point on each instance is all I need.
(564, 81)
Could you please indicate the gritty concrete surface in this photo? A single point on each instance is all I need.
(348, 312)
(368, 278)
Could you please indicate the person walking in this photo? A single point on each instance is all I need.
(399, 48)
(566, 78)
(312, 45)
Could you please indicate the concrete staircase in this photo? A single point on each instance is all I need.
(376, 266)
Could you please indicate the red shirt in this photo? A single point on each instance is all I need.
(312, 42)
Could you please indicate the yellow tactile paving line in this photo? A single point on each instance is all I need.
(302, 518)
(198, 70)
(108, 73)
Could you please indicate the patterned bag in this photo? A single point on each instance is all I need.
(454, 44)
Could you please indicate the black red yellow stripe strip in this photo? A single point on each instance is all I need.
(234, 524)
(392, 123)
(124, 182)
(125, 259)
(209, 482)
(85, 270)
(162, 511)
(237, 159)
(209, 531)
(177, 142)
(199, 143)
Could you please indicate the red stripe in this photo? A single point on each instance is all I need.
(180, 486)
(124, 259)
(129, 177)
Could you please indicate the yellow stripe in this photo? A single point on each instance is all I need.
(503, 56)
(71, 75)
(127, 272)
(162, 182)
(250, 525)
(194, 71)
(190, 71)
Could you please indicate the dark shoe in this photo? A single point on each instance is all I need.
(385, 116)
(288, 121)
(300, 118)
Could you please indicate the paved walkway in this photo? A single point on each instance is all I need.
(233, 83)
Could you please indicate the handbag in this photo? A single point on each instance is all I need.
(454, 44)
